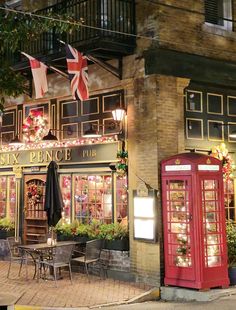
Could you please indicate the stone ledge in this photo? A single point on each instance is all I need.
(183, 294)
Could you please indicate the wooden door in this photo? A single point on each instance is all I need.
(35, 219)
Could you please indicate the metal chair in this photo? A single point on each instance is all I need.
(61, 257)
(16, 255)
(91, 255)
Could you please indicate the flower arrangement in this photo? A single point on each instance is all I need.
(34, 193)
(34, 126)
(228, 166)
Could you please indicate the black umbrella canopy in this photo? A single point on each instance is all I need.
(53, 203)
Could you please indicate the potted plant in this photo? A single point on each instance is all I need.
(63, 231)
(116, 236)
(231, 244)
(6, 228)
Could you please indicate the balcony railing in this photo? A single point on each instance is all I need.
(112, 20)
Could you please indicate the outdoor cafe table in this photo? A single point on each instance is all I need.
(37, 250)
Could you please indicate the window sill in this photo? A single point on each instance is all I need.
(218, 30)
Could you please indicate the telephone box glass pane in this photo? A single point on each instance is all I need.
(211, 223)
(178, 217)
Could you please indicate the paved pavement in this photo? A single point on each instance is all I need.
(81, 293)
(84, 295)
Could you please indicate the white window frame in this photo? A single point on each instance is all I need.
(227, 13)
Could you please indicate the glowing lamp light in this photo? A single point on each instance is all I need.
(118, 114)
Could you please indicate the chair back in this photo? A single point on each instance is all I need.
(13, 246)
(93, 249)
(63, 253)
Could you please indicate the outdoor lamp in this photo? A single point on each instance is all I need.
(50, 137)
(91, 132)
(118, 114)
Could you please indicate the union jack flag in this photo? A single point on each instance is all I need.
(78, 73)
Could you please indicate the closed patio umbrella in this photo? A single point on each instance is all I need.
(53, 203)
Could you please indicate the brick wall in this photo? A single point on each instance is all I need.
(116, 260)
(180, 25)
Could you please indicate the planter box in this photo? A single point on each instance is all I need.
(117, 245)
(81, 239)
(232, 275)
(4, 234)
(61, 237)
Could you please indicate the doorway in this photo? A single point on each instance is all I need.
(35, 218)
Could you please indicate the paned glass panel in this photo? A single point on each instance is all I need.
(211, 223)
(178, 217)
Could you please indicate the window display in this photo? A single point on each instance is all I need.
(90, 196)
(7, 197)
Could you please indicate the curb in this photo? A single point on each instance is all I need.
(151, 295)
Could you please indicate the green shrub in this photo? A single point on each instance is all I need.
(231, 242)
(94, 230)
(63, 229)
(113, 231)
(6, 224)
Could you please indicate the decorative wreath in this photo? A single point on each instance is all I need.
(34, 126)
(222, 153)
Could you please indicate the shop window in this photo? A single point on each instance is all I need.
(93, 198)
(121, 199)
(229, 200)
(66, 196)
(90, 197)
(7, 197)
(219, 13)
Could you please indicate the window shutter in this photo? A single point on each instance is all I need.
(214, 12)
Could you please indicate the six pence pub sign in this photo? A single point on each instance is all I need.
(80, 154)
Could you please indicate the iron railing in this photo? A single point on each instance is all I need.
(114, 19)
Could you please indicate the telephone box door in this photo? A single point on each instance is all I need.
(177, 203)
(212, 216)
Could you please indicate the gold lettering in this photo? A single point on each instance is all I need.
(57, 157)
(85, 153)
(89, 153)
(2, 159)
(48, 156)
(32, 157)
(8, 159)
(40, 157)
(67, 154)
(15, 157)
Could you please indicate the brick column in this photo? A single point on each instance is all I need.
(156, 131)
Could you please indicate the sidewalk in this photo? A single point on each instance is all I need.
(81, 293)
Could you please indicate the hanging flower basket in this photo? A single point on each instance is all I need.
(34, 127)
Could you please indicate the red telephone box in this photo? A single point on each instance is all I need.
(194, 222)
